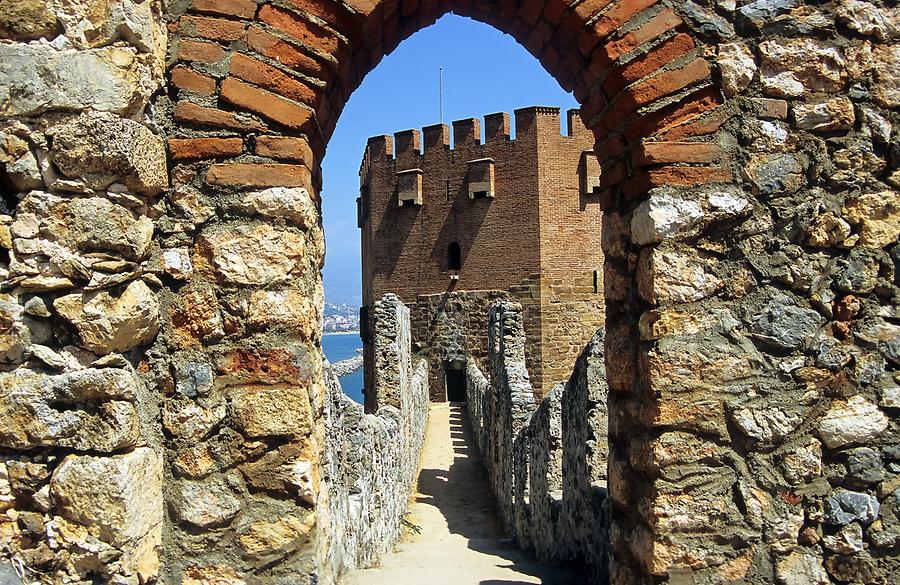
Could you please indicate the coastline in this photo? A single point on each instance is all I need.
(355, 332)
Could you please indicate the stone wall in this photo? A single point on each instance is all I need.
(371, 461)
(546, 461)
(449, 329)
(82, 169)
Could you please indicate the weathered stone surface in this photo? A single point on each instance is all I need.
(120, 495)
(38, 410)
(672, 277)
(193, 378)
(25, 173)
(774, 175)
(289, 309)
(825, 116)
(845, 541)
(266, 541)
(290, 203)
(250, 254)
(851, 421)
(827, 230)
(261, 411)
(857, 568)
(803, 463)
(188, 420)
(876, 216)
(110, 79)
(176, 262)
(864, 467)
(886, 90)
(661, 216)
(15, 337)
(784, 325)
(205, 504)
(25, 20)
(754, 15)
(189, 204)
(287, 469)
(212, 575)
(766, 424)
(196, 317)
(706, 22)
(737, 66)
(101, 149)
(868, 19)
(792, 67)
(801, 567)
(108, 322)
(845, 506)
(100, 225)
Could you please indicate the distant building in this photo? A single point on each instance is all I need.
(450, 230)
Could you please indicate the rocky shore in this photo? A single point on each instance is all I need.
(347, 366)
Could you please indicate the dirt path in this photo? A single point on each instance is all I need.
(460, 542)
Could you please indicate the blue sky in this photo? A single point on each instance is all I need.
(485, 71)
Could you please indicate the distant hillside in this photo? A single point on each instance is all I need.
(340, 317)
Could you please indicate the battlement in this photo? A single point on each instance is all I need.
(531, 123)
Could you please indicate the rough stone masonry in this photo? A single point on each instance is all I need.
(163, 406)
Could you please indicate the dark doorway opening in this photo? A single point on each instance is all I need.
(456, 385)
(454, 259)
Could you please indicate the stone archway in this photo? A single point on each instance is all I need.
(642, 75)
(750, 278)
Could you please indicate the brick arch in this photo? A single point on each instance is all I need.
(279, 74)
(638, 72)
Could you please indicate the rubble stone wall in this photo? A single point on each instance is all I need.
(82, 170)
(546, 461)
(371, 461)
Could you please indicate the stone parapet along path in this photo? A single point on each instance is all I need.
(460, 542)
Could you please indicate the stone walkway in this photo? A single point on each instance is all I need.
(460, 541)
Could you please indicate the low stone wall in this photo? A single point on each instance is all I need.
(370, 461)
(550, 485)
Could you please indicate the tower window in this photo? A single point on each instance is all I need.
(454, 262)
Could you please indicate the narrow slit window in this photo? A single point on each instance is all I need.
(454, 261)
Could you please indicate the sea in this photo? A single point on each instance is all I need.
(342, 346)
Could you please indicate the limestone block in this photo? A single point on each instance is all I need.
(851, 421)
(109, 79)
(846, 541)
(803, 462)
(257, 254)
(673, 277)
(176, 262)
(877, 217)
(261, 411)
(25, 20)
(212, 575)
(264, 542)
(205, 504)
(120, 495)
(766, 424)
(196, 317)
(15, 337)
(801, 567)
(886, 90)
(792, 67)
(289, 309)
(109, 321)
(868, 19)
(737, 66)
(290, 203)
(87, 409)
(188, 420)
(825, 116)
(661, 216)
(101, 149)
